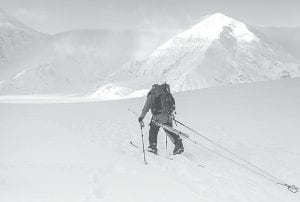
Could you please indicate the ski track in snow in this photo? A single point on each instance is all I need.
(81, 151)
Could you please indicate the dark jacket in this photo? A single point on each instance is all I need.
(163, 116)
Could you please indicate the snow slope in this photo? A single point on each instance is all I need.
(219, 50)
(17, 42)
(287, 37)
(79, 60)
(13, 35)
(71, 62)
(67, 63)
(80, 152)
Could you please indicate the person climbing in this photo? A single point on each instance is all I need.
(162, 105)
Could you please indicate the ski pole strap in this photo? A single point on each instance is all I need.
(173, 118)
(292, 188)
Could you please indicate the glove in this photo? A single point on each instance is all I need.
(140, 119)
(172, 115)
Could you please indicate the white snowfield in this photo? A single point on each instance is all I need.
(80, 152)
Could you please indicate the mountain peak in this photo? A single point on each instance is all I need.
(211, 27)
(217, 16)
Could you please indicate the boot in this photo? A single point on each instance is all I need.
(178, 147)
(152, 148)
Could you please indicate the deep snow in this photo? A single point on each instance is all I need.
(81, 152)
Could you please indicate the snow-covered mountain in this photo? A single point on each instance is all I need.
(17, 41)
(287, 37)
(13, 36)
(77, 62)
(217, 51)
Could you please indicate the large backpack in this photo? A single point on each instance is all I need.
(163, 101)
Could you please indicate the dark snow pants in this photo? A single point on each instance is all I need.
(153, 132)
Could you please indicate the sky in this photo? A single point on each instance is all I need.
(54, 16)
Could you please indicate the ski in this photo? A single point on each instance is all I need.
(192, 160)
(158, 154)
(170, 129)
(168, 156)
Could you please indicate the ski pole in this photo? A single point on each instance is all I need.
(141, 125)
(166, 142)
(142, 134)
(254, 168)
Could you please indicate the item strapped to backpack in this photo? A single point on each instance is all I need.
(163, 101)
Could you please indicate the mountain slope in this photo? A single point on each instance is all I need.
(287, 37)
(78, 61)
(17, 42)
(80, 152)
(217, 51)
(107, 64)
(13, 35)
